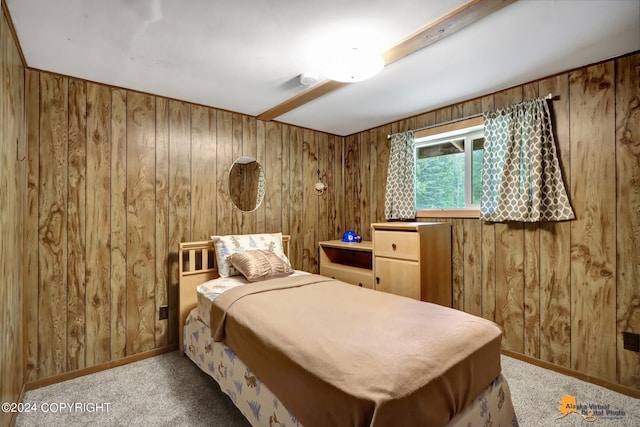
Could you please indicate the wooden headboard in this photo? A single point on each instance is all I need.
(196, 262)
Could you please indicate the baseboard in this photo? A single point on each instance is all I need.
(32, 385)
(619, 388)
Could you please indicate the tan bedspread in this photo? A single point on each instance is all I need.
(340, 355)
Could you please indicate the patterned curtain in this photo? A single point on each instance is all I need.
(521, 176)
(399, 201)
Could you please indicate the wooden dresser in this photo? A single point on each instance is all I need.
(413, 259)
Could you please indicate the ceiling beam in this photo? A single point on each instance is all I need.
(449, 24)
(308, 95)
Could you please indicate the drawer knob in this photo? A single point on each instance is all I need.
(377, 280)
(393, 246)
(359, 284)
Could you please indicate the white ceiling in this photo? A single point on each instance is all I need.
(246, 55)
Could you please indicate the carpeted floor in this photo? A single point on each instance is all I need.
(169, 390)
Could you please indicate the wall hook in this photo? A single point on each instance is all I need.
(18, 152)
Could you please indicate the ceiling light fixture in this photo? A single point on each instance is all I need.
(354, 65)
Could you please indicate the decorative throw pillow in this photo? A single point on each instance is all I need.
(232, 244)
(259, 265)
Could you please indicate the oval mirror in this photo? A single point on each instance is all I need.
(246, 184)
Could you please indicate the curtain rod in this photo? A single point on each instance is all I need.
(473, 116)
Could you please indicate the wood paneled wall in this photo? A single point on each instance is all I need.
(116, 180)
(562, 292)
(12, 190)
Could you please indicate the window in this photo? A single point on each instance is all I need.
(449, 167)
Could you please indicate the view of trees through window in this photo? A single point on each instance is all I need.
(441, 174)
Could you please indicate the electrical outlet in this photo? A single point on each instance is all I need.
(631, 341)
(164, 312)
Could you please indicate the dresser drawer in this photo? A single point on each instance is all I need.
(398, 276)
(354, 276)
(396, 244)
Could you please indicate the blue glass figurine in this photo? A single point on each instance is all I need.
(350, 236)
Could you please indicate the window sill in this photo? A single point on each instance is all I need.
(448, 213)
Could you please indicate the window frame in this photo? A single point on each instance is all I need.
(470, 128)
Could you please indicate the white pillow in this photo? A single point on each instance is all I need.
(233, 244)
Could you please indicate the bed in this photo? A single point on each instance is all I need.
(296, 348)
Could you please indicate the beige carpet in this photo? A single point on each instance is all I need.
(537, 392)
(169, 390)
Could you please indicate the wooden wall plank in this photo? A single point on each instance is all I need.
(98, 287)
(555, 244)
(6, 362)
(332, 177)
(593, 264)
(310, 201)
(13, 189)
(118, 223)
(249, 136)
(351, 182)
(510, 263)
(285, 183)
(443, 115)
(509, 285)
(140, 223)
(52, 322)
(76, 225)
(531, 268)
(297, 207)
(224, 159)
(472, 108)
(457, 261)
(374, 190)
(179, 219)
(203, 172)
(238, 217)
(274, 175)
(488, 271)
(31, 239)
(365, 143)
(164, 329)
(406, 124)
(425, 120)
(628, 214)
(531, 289)
(16, 83)
(338, 188)
(472, 268)
(324, 205)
